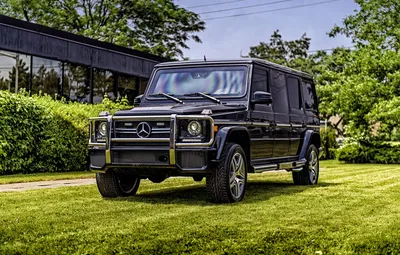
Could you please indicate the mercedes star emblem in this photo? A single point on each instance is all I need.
(143, 130)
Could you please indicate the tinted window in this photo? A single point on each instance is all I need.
(294, 93)
(310, 100)
(215, 81)
(260, 80)
(279, 92)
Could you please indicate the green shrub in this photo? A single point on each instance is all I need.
(40, 134)
(328, 143)
(369, 152)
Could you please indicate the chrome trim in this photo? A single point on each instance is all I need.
(283, 125)
(153, 130)
(98, 118)
(144, 118)
(144, 140)
(262, 139)
(313, 126)
(262, 124)
(225, 113)
(172, 138)
(286, 165)
(297, 125)
(292, 164)
(263, 168)
(224, 122)
(96, 144)
(108, 139)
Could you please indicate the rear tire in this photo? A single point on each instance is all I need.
(227, 183)
(112, 184)
(310, 173)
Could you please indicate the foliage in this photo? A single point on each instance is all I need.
(328, 143)
(159, 27)
(375, 22)
(354, 210)
(288, 53)
(40, 134)
(366, 92)
(369, 152)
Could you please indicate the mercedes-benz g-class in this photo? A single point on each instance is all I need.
(215, 119)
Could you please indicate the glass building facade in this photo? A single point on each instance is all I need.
(63, 65)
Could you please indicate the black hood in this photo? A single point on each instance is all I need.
(181, 109)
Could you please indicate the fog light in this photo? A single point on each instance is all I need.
(194, 128)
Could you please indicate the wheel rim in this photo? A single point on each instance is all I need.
(313, 166)
(127, 184)
(237, 175)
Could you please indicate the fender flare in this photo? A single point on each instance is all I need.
(223, 135)
(309, 136)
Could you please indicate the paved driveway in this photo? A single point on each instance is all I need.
(45, 184)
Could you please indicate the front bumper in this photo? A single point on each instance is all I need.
(142, 155)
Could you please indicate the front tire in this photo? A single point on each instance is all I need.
(310, 173)
(228, 181)
(112, 184)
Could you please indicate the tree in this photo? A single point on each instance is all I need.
(375, 22)
(288, 53)
(4, 83)
(46, 81)
(23, 76)
(366, 92)
(156, 26)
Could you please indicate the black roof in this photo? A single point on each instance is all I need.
(236, 61)
(76, 38)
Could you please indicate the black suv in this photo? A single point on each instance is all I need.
(215, 119)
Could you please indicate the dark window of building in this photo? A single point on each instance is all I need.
(8, 62)
(143, 84)
(76, 83)
(46, 76)
(310, 100)
(103, 85)
(260, 80)
(294, 93)
(127, 87)
(279, 92)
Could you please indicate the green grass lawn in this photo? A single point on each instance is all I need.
(354, 210)
(17, 178)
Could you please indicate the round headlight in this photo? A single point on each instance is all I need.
(103, 128)
(194, 128)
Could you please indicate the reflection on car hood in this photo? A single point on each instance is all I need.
(184, 109)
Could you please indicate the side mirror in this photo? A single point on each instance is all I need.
(261, 97)
(137, 100)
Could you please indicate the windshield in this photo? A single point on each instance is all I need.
(213, 81)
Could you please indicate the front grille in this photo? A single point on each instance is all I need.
(141, 157)
(129, 129)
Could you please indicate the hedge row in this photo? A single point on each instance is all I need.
(369, 152)
(39, 134)
(328, 143)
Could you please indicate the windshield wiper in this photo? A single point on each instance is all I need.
(168, 96)
(205, 96)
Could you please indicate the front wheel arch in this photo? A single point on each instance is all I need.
(238, 135)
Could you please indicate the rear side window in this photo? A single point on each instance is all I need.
(310, 99)
(294, 93)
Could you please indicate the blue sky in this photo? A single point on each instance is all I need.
(225, 38)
